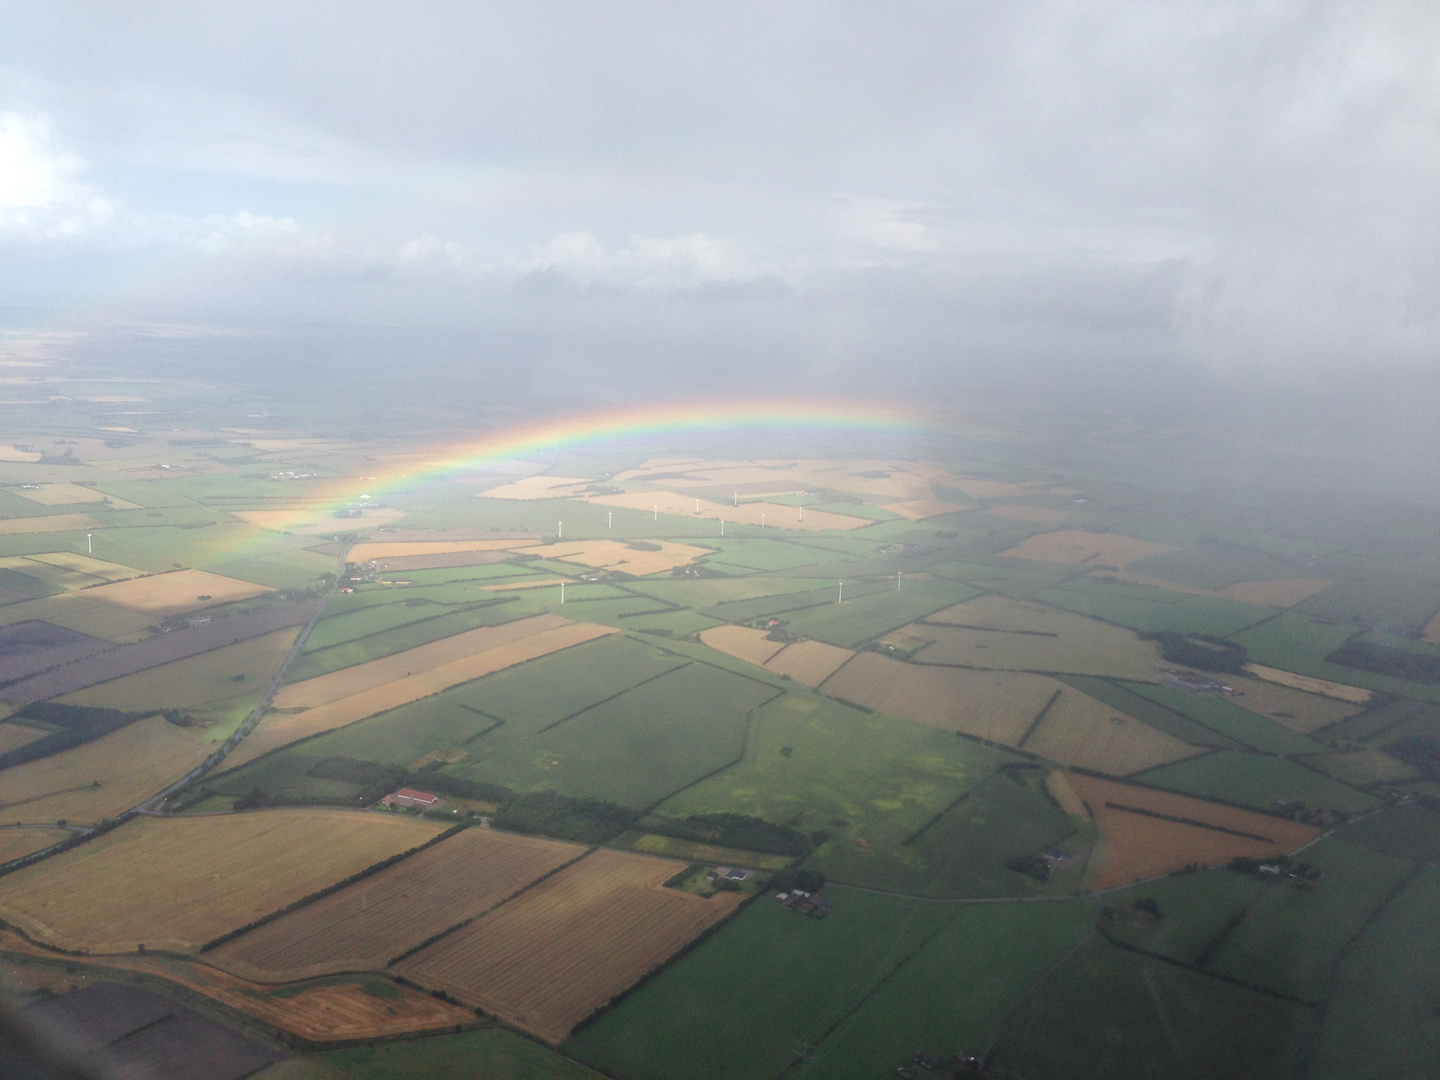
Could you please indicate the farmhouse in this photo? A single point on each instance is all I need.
(408, 797)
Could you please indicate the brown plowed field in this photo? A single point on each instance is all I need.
(995, 705)
(1078, 730)
(1138, 845)
(550, 957)
(176, 883)
(375, 920)
(175, 593)
(1079, 547)
(281, 730)
(352, 680)
(808, 662)
(741, 642)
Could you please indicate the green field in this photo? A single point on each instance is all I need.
(496, 1053)
(734, 1007)
(767, 555)
(408, 636)
(1381, 1020)
(950, 994)
(966, 849)
(856, 621)
(1128, 701)
(1230, 720)
(1184, 614)
(867, 783)
(1195, 910)
(1407, 831)
(1107, 1012)
(1256, 780)
(635, 748)
(1290, 936)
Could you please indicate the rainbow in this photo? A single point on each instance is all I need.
(546, 438)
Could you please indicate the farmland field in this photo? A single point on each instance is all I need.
(1150, 832)
(994, 705)
(175, 884)
(947, 996)
(857, 621)
(377, 919)
(808, 662)
(230, 671)
(1107, 1012)
(772, 974)
(174, 593)
(1380, 1021)
(1084, 548)
(1290, 937)
(489, 1052)
(551, 956)
(752, 646)
(1322, 687)
(1195, 910)
(1297, 709)
(338, 711)
(1078, 730)
(1229, 718)
(1258, 781)
(635, 748)
(1016, 635)
(15, 843)
(102, 778)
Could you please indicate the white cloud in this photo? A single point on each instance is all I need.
(43, 190)
(648, 262)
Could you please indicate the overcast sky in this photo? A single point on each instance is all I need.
(950, 190)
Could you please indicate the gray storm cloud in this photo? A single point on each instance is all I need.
(953, 191)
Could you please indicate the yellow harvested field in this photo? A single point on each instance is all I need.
(84, 564)
(615, 555)
(774, 515)
(352, 680)
(1296, 709)
(999, 706)
(540, 487)
(1019, 635)
(1079, 547)
(920, 509)
(1323, 687)
(1147, 832)
(375, 920)
(808, 662)
(363, 553)
(1042, 515)
(1064, 793)
(1078, 730)
(742, 642)
(557, 952)
(68, 494)
(17, 843)
(103, 778)
(277, 731)
(1284, 593)
(195, 680)
(49, 523)
(511, 586)
(176, 592)
(176, 883)
(74, 612)
(9, 453)
(13, 736)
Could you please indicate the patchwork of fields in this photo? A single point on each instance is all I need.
(920, 684)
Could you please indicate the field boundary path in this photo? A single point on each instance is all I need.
(150, 805)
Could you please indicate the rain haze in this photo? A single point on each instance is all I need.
(1112, 202)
